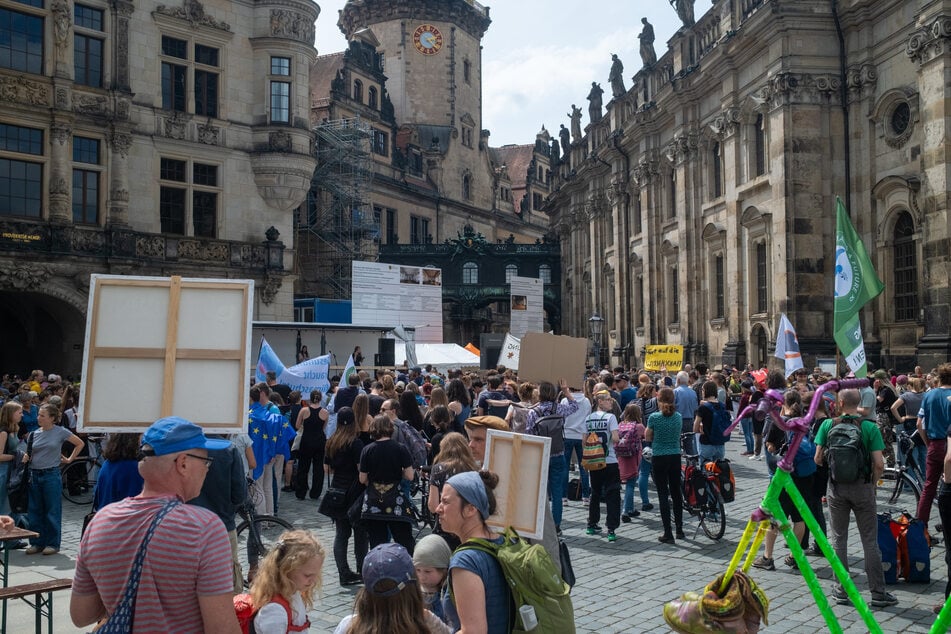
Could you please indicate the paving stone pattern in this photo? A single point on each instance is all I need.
(621, 586)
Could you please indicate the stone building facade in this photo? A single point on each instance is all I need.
(404, 163)
(701, 205)
(146, 139)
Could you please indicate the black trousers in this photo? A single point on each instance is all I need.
(666, 473)
(379, 532)
(606, 485)
(310, 455)
(343, 529)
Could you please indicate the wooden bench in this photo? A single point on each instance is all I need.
(39, 596)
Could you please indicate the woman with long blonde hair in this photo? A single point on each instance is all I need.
(361, 415)
(10, 415)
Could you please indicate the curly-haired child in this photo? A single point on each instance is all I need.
(286, 584)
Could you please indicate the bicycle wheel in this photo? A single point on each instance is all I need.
(78, 483)
(897, 492)
(255, 540)
(713, 515)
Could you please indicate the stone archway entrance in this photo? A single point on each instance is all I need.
(759, 346)
(40, 331)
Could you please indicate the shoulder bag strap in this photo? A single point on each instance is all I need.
(121, 619)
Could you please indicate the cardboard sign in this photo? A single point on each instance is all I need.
(521, 462)
(159, 346)
(544, 357)
(669, 356)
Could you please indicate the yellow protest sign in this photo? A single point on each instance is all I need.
(669, 356)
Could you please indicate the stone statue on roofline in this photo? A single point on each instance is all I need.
(646, 36)
(595, 102)
(575, 123)
(617, 77)
(684, 10)
(565, 137)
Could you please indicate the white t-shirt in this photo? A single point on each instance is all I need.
(604, 424)
(574, 423)
(435, 625)
(272, 618)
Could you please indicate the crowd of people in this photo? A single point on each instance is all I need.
(357, 449)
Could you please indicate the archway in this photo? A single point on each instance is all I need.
(759, 346)
(40, 331)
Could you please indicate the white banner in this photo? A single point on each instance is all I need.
(409, 296)
(527, 303)
(510, 351)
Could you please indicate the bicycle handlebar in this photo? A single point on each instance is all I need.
(772, 402)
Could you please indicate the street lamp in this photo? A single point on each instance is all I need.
(596, 324)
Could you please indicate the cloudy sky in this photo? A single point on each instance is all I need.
(540, 56)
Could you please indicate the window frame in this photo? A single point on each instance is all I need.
(25, 60)
(32, 161)
(187, 184)
(905, 269)
(470, 273)
(87, 170)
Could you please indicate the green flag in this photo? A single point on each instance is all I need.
(855, 285)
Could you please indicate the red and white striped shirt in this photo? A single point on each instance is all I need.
(189, 556)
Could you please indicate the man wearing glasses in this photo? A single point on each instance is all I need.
(186, 577)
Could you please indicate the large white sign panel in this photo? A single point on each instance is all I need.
(387, 294)
(527, 296)
(521, 462)
(160, 346)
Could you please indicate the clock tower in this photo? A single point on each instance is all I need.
(432, 58)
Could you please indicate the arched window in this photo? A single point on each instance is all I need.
(511, 270)
(906, 269)
(466, 187)
(470, 273)
(371, 97)
(544, 272)
(358, 91)
(759, 146)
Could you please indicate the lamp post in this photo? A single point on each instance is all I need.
(595, 324)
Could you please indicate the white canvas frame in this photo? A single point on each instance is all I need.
(521, 462)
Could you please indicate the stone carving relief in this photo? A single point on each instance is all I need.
(647, 169)
(150, 247)
(119, 195)
(251, 255)
(173, 126)
(726, 123)
(60, 132)
(208, 134)
(272, 284)
(62, 99)
(19, 90)
(21, 277)
(279, 142)
(91, 104)
(929, 41)
(293, 25)
(59, 186)
(62, 21)
(683, 147)
(88, 241)
(800, 88)
(198, 250)
(120, 142)
(861, 80)
(193, 12)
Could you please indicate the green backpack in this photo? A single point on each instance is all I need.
(533, 579)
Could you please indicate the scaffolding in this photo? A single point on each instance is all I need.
(337, 224)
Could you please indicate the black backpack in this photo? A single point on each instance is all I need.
(18, 484)
(721, 421)
(552, 426)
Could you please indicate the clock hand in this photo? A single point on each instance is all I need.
(430, 39)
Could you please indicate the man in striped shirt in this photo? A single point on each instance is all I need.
(186, 579)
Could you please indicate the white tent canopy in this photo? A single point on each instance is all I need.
(442, 356)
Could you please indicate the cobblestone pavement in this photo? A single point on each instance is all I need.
(621, 586)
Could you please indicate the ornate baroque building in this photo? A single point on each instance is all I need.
(404, 164)
(702, 204)
(146, 139)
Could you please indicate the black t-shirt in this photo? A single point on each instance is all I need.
(345, 397)
(706, 421)
(281, 389)
(888, 399)
(384, 461)
(345, 464)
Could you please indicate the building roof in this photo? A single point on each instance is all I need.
(323, 71)
(516, 159)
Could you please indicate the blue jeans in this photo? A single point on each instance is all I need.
(746, 424)
(629, 487)
(643, 477)
(557, 475)
(712, 452)
(46, 507)
(4, 500)
(573, 446)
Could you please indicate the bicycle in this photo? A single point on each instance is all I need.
(899, 489)
(420, 485)
(79, 476)
(257, 534)
(709, 508)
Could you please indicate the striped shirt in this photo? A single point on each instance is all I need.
(189, 556)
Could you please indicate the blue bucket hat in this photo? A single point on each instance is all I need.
(173, 435)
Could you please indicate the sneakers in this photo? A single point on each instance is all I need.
(350, 578)
(49, 550)
(884, 600)
(765, 563)
(791, 562)
(647, 507)
(585, 501)
(32, 550)
(815, 551)
(840, 596)
(626, 518)
(756, 457)
(593, 530)
(747, 453)
(611, 536)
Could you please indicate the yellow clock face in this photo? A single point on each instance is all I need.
(428, 39)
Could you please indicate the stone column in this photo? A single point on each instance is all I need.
(118, 201)
(930, 46)
(60, 193)
(123, 11)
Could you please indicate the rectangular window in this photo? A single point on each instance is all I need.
(466, 71)
(391, 236)
(173, 87)
(87, 60)
(206, 55)
(906, 282)
(85, 196)
(719, 300)
(14, 138)
(174, 47)
(416, 235)
(536, 201)
(416, 162)
(32, 3)
(759, 146)
(88, 17)
(280, 102)
(281, 66)
(172, 210)
(675, 296)
(173, 170)
(204, 213)
(206, 93)
(85, 150)
(21, 41)
(21, 188)
(717, 172)
(761, 278)
(381, 143)
(672, 190)
(639, 298)
(636, 207)
(205, 175)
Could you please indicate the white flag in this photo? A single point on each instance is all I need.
(348, 370)
(509, 353)
(787, 346)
